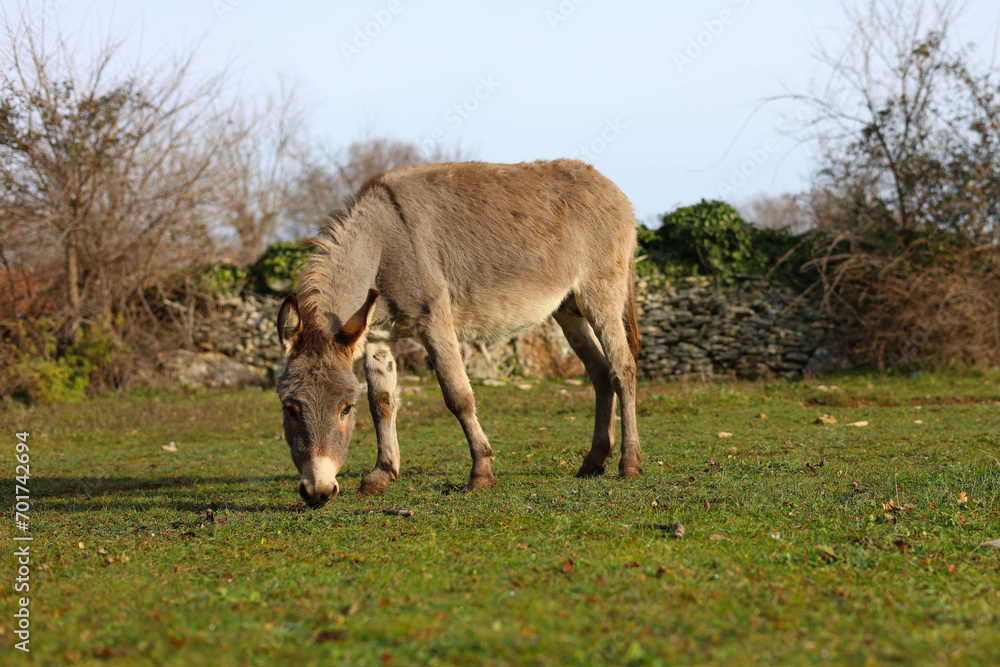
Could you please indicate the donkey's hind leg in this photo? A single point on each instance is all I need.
(383, 399)
(437, 332)
(582, 340)
(605, 309)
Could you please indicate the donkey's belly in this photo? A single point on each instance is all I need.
(497, 319)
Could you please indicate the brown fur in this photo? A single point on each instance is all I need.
(471, 251)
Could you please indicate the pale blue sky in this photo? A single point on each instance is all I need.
(531, 80)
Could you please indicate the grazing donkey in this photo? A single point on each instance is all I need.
(448, 252)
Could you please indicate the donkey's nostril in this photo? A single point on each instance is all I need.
(304, 493)
(336, 490)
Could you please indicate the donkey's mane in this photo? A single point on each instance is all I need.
(320, 273)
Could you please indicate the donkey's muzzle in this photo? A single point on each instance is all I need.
(316, 497)
(318, 485)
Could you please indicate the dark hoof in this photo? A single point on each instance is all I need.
(480, 482)
(629, 472)
(589, 470)
(373, 486)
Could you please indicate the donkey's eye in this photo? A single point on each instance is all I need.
(346, 411)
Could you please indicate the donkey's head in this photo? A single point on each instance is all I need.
(318, 391)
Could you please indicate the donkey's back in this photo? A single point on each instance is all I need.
(510, 242)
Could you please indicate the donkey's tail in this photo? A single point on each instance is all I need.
(631, 323)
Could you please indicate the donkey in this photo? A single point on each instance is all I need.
(464, 251)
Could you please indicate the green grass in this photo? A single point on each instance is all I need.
(543, 569)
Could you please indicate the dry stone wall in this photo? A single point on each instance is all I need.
(694, 328)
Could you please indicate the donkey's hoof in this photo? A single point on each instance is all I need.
(373, 485)
(629, 471)
(589, 470)
(480, 482)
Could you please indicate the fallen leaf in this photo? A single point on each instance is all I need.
(826, 553)
(862, 423)
(918, 421)
(169, 448)
(352, 609)
(902, 545)
(775, 535)
(102, 551)
(962, 498)
(79, 545)
(825, 419)
(716, 537)
(723, 434)
(331, 635)
(567, 566)
(951, 569)
(525, 386)
(679, 530)
(761, 416)
(995, 544)
(655, 503)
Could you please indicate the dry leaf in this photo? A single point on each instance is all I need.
(655, 503)
(862, 423)
(761, 416)
(80, 545)
(723, 434)
(918, 421)
(995, 544)
(170, 448)
(775, 535)
(951, 569)
(825, 419)
(716, 537)
(567, 566)
(525, 386)
(331, 635)
(352, 609)
(102, 551)
(679, 530)
(962, 498)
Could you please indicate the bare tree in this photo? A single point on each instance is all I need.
(903, 126)
(776, 212)
(258, 170)
(105, 176)
(907, 198)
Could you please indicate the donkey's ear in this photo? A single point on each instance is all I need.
(289, 323)
(351, 331)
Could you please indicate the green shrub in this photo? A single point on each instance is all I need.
(711, 238)
(39, 372)
(278, 268)
(224, 279)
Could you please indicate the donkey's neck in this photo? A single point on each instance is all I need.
(336, 280)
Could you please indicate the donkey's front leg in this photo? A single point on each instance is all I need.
(438, 336)
(383, 399)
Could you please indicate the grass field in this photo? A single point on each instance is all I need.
(803, 543)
